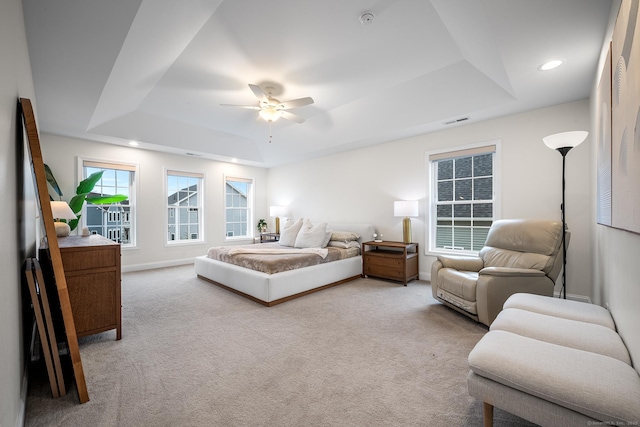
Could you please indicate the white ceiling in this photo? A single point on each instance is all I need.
(156, 71)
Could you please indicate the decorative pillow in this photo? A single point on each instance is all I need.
(311, 236)
(327, 238)
(344, 245)
(289, 232)
(344, 236)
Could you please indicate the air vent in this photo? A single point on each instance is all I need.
(193, 154)
(461, 119)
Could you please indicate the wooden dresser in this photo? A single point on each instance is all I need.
(390, 260)
(92, 271)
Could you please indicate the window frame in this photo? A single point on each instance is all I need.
(201, 207)
(431, 159)
(134, 187)
(250, 208)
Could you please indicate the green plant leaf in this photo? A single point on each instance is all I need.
(52, 181)
(105, 200)
(76, 202)
(86, 185)
(74, 222)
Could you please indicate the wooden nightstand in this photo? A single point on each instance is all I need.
(269, 237)
(92, 271)
(390, 260)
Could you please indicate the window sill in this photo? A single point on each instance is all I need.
(435, 253)
(184, 242)
(243, 239)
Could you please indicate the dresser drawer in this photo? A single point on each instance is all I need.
(74, 259)
(94, 301)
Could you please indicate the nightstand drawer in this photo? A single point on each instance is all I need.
(392, 272)
(384, 261)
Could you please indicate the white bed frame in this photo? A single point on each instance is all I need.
(272, 289)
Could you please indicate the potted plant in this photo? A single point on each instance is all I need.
(83, 192)
(262, 225)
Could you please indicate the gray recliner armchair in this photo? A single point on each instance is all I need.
(520, 255)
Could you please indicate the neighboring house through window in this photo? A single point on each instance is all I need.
(184, 207)
(115, 221)
(238, 206)
(463, 205)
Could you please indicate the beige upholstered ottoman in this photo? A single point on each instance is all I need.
(555, 362)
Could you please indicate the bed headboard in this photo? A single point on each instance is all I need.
(364, 230)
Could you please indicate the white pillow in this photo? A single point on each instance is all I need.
(344, 245)
(289, 232)
(327, 238)
(311, 236)
(344, 236)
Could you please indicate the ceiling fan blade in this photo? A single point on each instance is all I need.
(250, 107)
(295, 103)
(259, 93)
(289, 116)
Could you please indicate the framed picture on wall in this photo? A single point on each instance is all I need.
(603, 144)
(625, 119)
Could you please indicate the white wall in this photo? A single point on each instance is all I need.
(361, 185)
(615, 257)
(15, 81)
(60, 153)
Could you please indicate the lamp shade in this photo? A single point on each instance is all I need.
(270, 114)
(565, 139)
(279, 211)
(405, 208)
(61, 210)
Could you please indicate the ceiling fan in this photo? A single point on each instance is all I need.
(271, 109)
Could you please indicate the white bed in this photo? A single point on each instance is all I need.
(272, 289)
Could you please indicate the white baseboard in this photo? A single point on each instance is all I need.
(574, 297)
(154, 265)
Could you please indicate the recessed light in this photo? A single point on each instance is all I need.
(551, 65)
(133, 143)
(234, 160)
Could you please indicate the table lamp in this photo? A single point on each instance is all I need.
(61, 210)
(406, 209)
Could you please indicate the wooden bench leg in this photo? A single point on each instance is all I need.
(487, 414)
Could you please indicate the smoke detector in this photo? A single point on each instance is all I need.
(366, 18)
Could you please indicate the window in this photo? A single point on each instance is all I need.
(462, 203)
(184, 207)
(238, 204)
(115, 221)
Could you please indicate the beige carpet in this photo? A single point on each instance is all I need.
(365, 353)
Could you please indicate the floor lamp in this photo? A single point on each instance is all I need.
(563, 143)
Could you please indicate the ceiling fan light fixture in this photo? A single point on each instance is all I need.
(270, 114)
